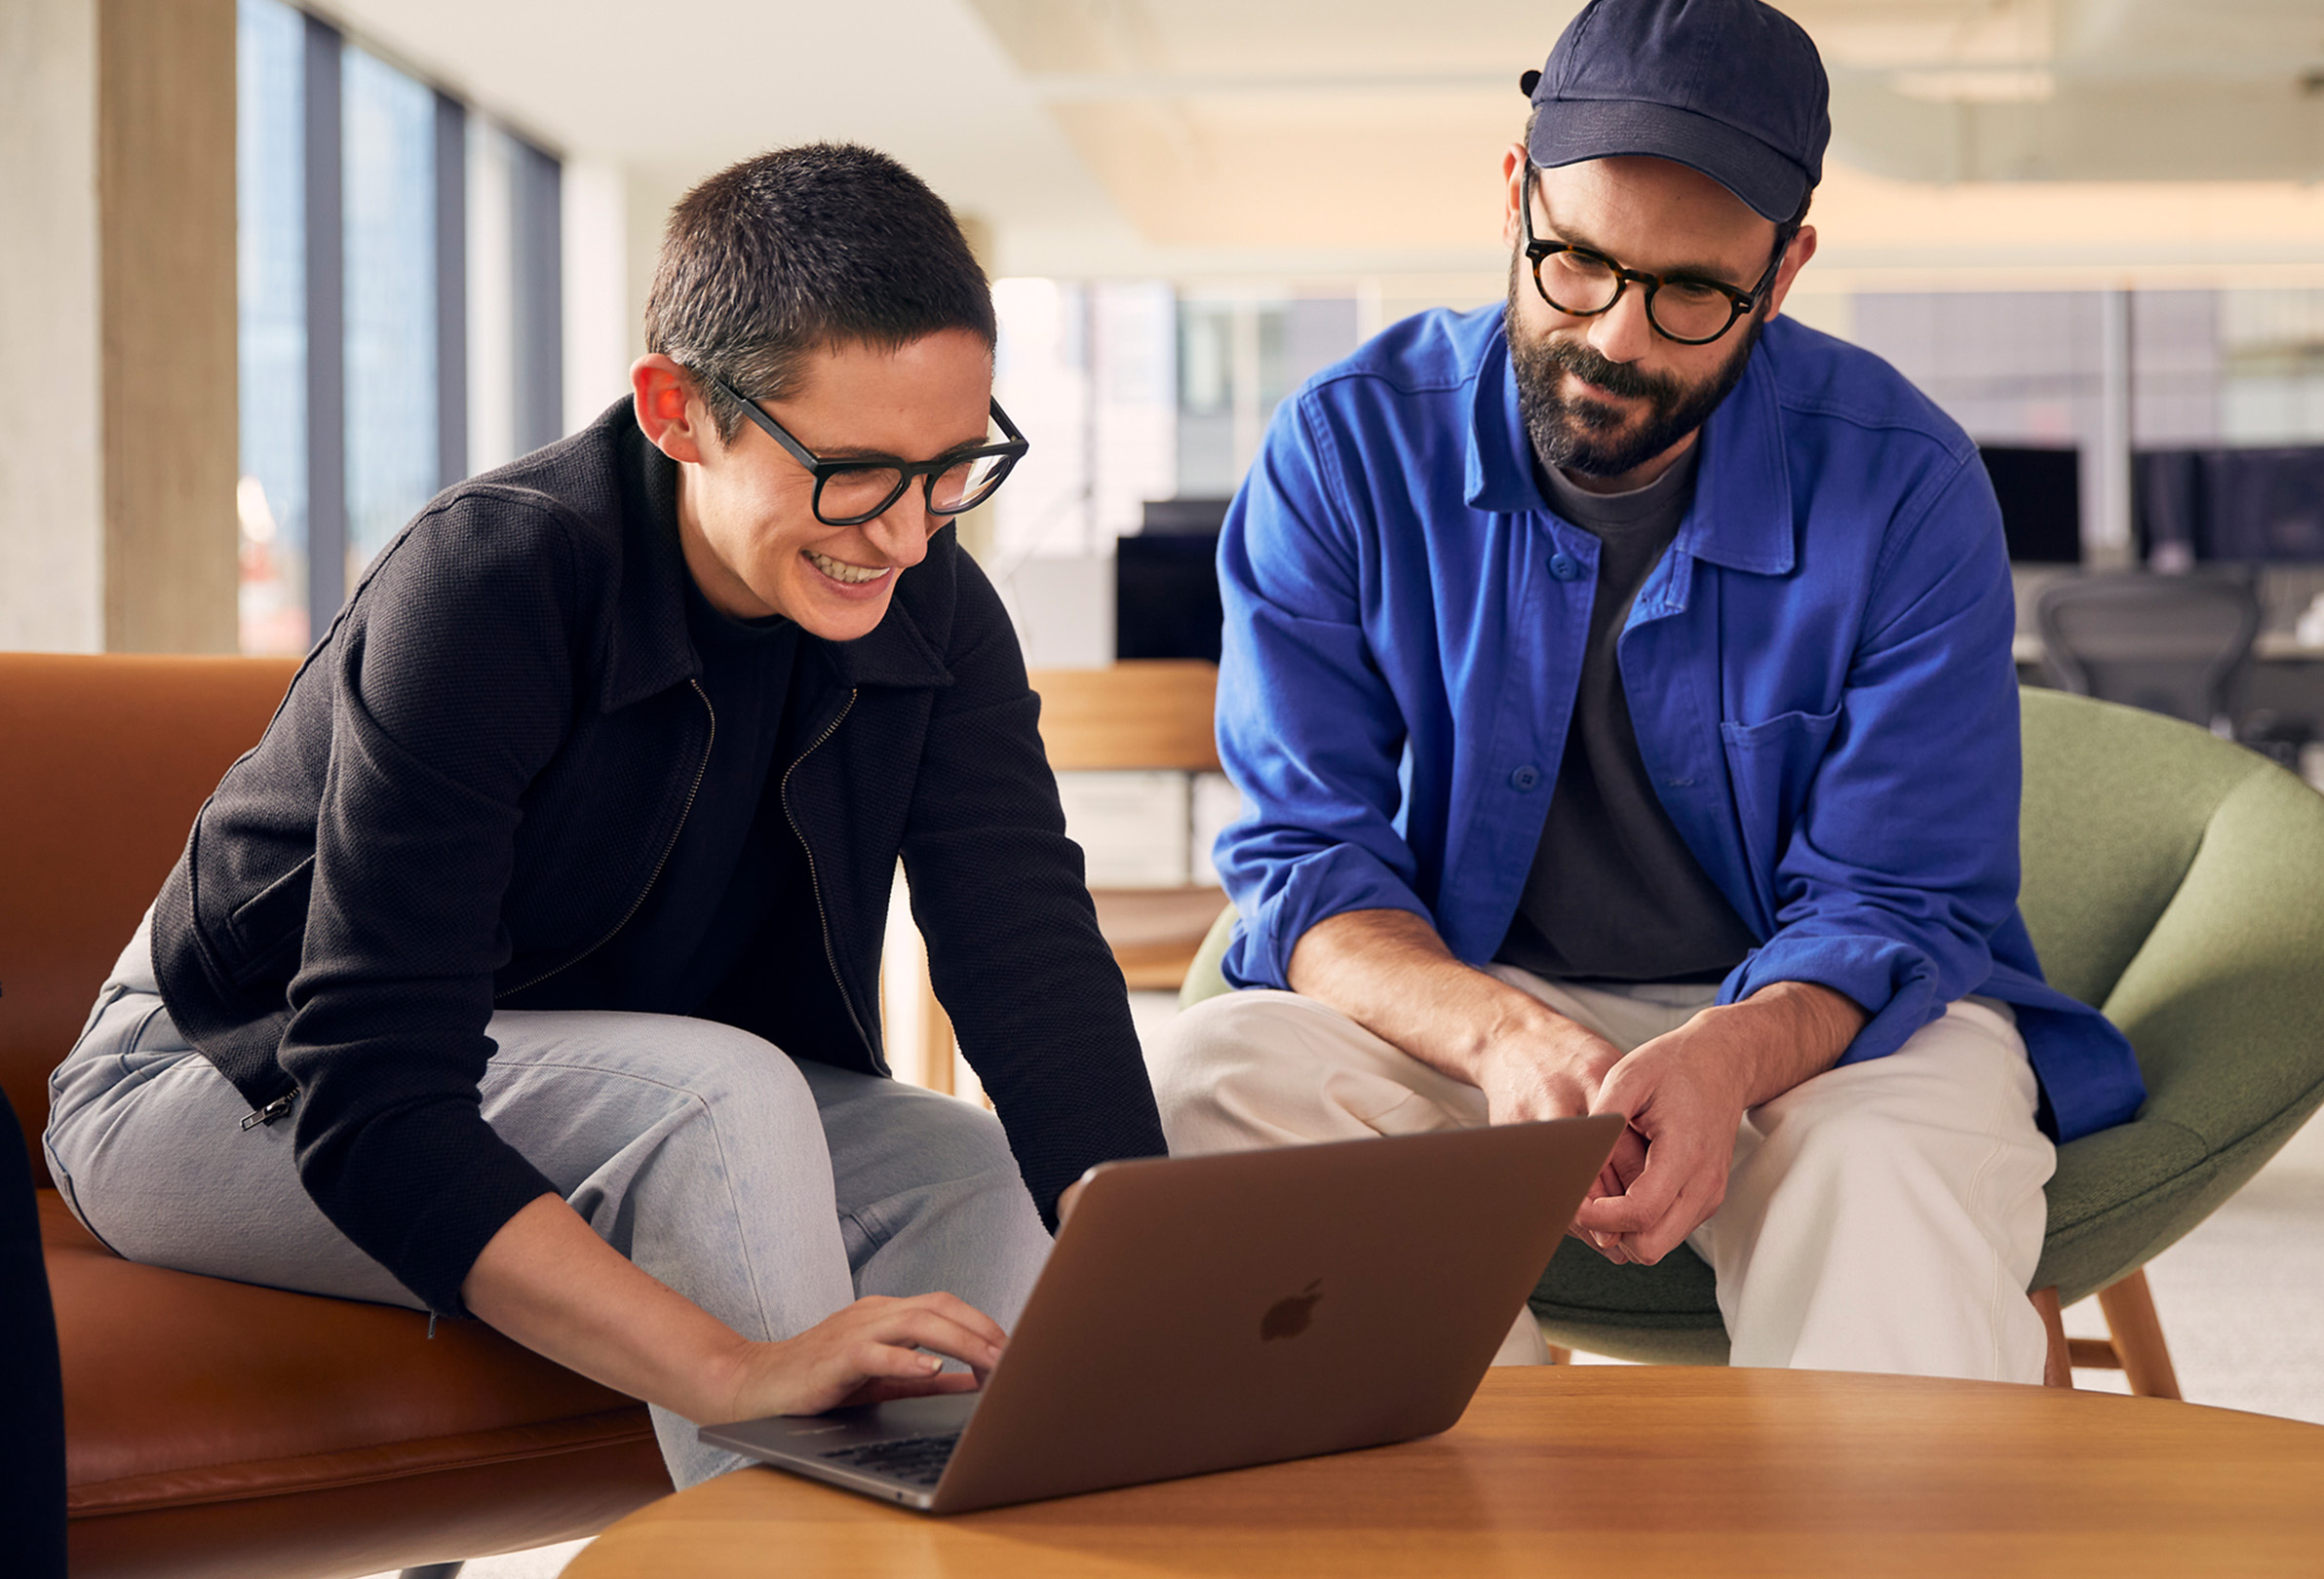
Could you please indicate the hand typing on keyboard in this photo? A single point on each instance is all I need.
(873, 1350)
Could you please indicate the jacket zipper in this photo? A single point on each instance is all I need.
(815, 883)
(683, 813)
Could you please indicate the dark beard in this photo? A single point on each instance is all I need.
(1588, 435)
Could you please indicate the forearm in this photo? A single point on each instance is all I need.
(1786, 1033)
(549, 1281)
(1391, 974)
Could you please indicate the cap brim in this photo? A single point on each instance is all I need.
(1568, 131)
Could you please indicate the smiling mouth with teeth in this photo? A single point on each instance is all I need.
(854, 575)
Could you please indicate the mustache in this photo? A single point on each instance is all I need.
(1589, 435)
(1615, 378)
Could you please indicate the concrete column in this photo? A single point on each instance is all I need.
(52, 492)
(2109, 546)
(166, 235)
(117, 323)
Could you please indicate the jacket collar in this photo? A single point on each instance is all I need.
(648, 649)
(1742, 515)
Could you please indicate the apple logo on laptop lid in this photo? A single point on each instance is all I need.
(1290, 1317)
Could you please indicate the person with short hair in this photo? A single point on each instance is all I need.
(1618, 683)
(528, 966)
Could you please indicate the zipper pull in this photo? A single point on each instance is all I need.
(270, 1113)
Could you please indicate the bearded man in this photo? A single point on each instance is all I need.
(1618, 685)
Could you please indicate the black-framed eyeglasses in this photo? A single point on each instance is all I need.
(858, 488)
(1687, 308)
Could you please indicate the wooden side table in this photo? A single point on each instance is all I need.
(1609, 1470)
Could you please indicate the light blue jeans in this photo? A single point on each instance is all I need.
(769, 1191)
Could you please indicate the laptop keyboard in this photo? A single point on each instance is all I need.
(914, 1460)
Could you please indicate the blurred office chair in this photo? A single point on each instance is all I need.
(2176, 883)
(2172, 644)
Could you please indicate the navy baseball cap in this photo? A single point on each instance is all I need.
(1731, 88)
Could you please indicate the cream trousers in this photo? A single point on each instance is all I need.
(1883, 1215)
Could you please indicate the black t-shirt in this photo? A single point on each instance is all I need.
(735, 857)
(1614, 894)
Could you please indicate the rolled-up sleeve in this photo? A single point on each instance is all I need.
(1308, 728)
(1901, 860)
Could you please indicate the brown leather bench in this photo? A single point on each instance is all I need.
(215, 1428)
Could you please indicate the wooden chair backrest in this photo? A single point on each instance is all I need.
(1149, 713)
(1153, 713)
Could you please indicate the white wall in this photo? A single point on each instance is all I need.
(647, 196)
(597, 289)
(52, 507)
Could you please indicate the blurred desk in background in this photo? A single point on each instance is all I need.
(2269, 647)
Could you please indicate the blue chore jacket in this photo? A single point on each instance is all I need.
(1819, 671)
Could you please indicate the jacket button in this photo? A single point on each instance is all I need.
(1525, 777)
(1563, 566)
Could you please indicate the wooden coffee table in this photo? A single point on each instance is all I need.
(1608, 1471)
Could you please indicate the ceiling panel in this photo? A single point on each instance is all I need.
(682, 90)
(1193, 137)
(1272, 40)
(1313, 171)
(1188, 111)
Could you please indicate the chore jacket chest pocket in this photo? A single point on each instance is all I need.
(1773, 765)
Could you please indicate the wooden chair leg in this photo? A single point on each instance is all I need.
(1560, 1356)
(2130, 1317)
(2056, 1369)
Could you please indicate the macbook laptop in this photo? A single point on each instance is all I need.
(1206, 1313)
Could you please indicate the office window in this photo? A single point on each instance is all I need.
(2233, 369)
(374, 353)
(1238, 359)
(270, 241)
(1133, 392)
(515, 345)
(388, 152)
(1086, 371)
(2272, 356)
(1217, 364)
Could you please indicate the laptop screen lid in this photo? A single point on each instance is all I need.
(1204, 1313)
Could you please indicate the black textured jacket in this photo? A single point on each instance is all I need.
(474, 781)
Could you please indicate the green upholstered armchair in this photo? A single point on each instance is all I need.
(2177, 882)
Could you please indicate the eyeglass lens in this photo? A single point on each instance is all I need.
(864, 491)
(1580, 284)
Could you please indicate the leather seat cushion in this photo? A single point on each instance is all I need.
(184, 1394)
